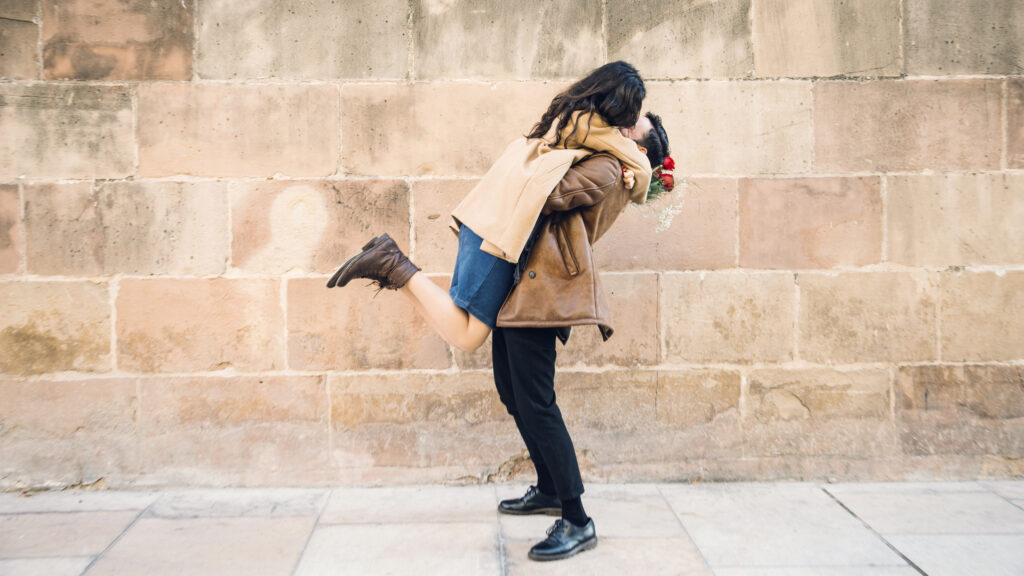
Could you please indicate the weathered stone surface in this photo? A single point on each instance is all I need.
(126, 228)
(66, 131)
(50, 535)
(52, 327)
(694, 227)
(689, 398)
(868, 317)
(1015, 123)
(810, 222)
(414, 129)
(320, 39)
(117, 40)
(982, 315)
(736, 127)
(433, 201)
(238, 130)
(269, 426)
(955, 219)
(197, 325)
(10, 229)
(67, 431)
(349, 328)
(313, 226)
(633, 304)
(419, 419)
(496, 39)
(727, 317)
(896, 125)
(961, 409)
(799, 38)
(19, 41)
(682, 38)
(819, 412)
(963, 37)
(613, 400)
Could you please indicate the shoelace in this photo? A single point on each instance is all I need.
(559, 526)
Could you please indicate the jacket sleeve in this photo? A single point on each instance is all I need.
(585, 184)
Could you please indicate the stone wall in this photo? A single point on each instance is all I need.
(836, 291)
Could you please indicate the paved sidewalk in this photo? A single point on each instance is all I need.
(727, 529)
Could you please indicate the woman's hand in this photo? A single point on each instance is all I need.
(628, 178)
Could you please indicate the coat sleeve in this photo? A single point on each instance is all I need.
(585, 184)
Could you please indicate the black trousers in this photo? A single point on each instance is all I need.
(524, 373)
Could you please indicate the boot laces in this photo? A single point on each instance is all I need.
(558, 526)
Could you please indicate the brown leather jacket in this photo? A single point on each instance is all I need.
(557, 283)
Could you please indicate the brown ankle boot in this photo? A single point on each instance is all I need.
(380, 261)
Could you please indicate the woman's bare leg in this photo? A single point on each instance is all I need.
(455, 325)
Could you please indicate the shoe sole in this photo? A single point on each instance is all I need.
(588, 545)
(537, 512)
(351, 261)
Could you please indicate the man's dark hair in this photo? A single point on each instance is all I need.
(615, 91)
(656, 141)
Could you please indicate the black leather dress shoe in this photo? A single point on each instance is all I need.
(533, 502)
(565, 539)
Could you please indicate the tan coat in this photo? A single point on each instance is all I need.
(559, 283)
(503, 207)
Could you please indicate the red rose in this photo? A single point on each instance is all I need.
(669, 163)
(666, 181)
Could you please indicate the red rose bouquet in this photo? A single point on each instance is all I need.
(661, 179)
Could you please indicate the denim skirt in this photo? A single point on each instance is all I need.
(481, 281)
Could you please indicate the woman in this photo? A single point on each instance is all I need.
(522, 214)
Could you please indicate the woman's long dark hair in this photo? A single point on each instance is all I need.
(615, 91)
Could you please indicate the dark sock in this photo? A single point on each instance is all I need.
(572, 510)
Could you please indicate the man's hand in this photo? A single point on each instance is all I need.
(628, 178)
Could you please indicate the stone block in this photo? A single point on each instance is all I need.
(736, 127)
(126, 228)
(804, 38)
(907, 125)
(868, 316)
(66, 131)
(265, 426)
(117, 40)
(349, 328)
(54, 327)
(682, 38)
(612, 400)
(435, 128)
(320, 40)
(24, 10)
(502, 40)
(810, 222)
(10, 229)
(195, 325)
(313, 226)
(633, 304)
(55, 535)
(408, 419)
(819, 412)
(982, 315)
(433, 202)
(19, 45)
(67, 431)
(227, 130)
(960, 409)
(694, 227)
(1015, 123)
(727, 317)
(694, 398)
(955, 219)
(963, 37)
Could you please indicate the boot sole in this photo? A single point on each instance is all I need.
(537, 512)
(588, 545)
(351, 262)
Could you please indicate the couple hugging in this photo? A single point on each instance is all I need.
(525, 270)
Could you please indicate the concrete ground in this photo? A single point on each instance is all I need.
(727, 529)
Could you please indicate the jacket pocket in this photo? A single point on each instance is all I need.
(568, 257)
